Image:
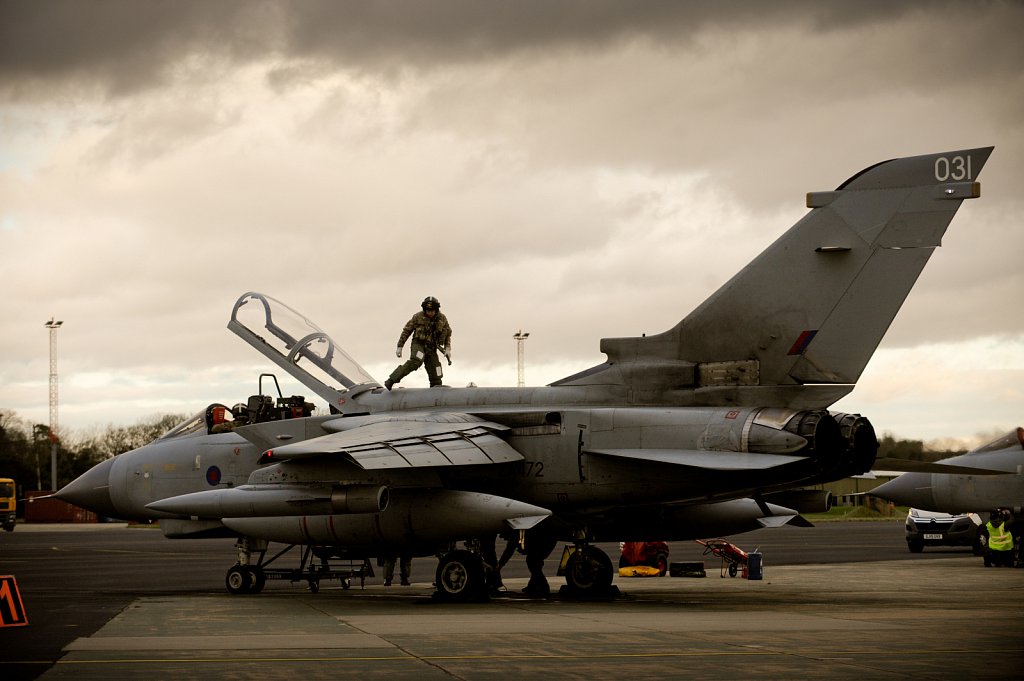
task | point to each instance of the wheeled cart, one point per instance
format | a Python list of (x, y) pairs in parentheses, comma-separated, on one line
[(733, 557), (314, 566)]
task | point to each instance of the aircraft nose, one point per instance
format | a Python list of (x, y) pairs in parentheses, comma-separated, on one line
[(91, 490), (909, 489)]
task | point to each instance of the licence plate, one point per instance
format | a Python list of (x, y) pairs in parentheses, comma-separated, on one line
[(933, 536)]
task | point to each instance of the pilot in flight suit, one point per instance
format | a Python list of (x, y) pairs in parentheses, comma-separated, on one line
[(430, 333)]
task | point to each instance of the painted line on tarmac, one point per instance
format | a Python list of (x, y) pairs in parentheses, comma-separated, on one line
[(820, 654)]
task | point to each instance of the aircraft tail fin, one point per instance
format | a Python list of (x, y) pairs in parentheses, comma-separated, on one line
[(812, 307)]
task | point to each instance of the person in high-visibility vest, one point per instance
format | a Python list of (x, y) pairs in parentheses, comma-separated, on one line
[(1000, 540)]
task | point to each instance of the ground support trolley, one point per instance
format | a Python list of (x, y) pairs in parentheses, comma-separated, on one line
[(314, 567), (733, 557)]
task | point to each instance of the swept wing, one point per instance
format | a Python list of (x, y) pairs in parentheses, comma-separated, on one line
[(405, 443)]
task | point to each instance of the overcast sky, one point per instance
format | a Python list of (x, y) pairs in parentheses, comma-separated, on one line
[(572, 169)]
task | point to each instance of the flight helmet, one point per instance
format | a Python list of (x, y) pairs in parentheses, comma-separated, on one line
[(430, 303)]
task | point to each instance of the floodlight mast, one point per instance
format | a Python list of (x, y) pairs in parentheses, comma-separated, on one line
[(53, 326), (520, 357)]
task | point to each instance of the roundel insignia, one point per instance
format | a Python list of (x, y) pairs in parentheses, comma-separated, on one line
[(213, 475)]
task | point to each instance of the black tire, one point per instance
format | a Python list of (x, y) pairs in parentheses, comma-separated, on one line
[(915, 546), (588, 572), (733, 569), (259, 580), (661, 562), (239, 580), (460, 577)]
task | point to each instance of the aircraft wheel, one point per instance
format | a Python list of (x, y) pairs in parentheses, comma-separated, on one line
[(588, 572), (258, 580), (460, 577), (239, 580), (314, 586)]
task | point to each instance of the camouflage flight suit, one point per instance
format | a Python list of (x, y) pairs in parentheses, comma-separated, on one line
[(428, 336)]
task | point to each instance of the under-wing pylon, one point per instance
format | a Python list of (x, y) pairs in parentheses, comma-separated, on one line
[(717, 426)]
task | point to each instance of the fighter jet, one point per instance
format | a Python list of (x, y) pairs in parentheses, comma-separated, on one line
[(717, 426), (974, 488)]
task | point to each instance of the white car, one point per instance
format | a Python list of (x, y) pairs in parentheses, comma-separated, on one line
[(931, 528)]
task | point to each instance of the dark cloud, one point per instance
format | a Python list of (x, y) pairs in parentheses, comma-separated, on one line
[(113, 45), (122, 46)]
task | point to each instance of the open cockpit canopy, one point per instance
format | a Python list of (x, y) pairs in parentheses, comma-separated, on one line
[(300, 347)]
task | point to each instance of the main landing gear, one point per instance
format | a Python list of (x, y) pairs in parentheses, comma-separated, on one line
[(588, 572), (463, 574)]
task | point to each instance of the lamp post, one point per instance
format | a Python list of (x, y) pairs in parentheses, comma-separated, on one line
[(520, 361), (53, 326)]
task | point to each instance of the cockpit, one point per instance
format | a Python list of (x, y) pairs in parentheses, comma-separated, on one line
[(218, 418), (1014, 437)]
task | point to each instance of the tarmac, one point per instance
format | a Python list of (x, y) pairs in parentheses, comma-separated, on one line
[(947, 618)]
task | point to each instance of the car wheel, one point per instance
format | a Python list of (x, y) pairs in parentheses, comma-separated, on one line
[(915, 546)]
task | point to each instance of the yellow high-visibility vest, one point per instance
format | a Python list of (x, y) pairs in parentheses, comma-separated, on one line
[(999, 538)]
